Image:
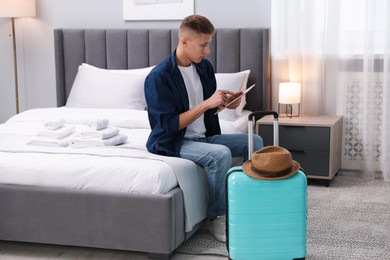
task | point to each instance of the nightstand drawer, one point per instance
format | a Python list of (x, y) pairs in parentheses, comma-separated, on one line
[(299, 138), (314, 163)]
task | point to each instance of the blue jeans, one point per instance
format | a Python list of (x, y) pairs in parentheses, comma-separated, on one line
[(215, 153)]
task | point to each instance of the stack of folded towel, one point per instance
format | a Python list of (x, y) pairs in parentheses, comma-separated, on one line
[(56, 134), (98, 134)]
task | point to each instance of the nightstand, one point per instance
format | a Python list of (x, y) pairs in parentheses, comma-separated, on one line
[(314, 142)]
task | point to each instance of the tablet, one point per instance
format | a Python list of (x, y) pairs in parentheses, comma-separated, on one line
[(234, 100)]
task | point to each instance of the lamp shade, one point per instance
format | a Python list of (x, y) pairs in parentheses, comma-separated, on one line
[(17, 8), (289, 93)]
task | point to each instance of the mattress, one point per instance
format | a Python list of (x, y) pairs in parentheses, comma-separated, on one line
[(76, 168)]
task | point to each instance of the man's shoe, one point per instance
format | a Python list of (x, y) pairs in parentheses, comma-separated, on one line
[(217, 228)]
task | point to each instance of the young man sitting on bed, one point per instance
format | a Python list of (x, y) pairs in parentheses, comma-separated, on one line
[(182, 98)]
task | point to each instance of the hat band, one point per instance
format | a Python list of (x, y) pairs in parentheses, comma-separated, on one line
[(271, 174)]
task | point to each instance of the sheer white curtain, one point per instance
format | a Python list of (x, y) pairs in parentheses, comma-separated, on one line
[(340, 52)]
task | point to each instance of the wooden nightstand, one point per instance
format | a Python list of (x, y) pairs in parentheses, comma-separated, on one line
[(314, 142)]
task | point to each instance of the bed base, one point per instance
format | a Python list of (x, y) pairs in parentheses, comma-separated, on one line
[(93, 219)]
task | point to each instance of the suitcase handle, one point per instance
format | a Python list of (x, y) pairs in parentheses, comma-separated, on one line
[(254, 116)]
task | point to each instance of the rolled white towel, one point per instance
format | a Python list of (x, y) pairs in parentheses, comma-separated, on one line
[(55, 124), (78, 142), (49, 142), (59, 133), (98, 124), (99, 134)]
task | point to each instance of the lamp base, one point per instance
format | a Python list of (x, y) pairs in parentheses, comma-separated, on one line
[(289, 110)]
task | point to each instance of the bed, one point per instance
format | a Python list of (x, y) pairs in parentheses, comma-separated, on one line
[(154, 219)]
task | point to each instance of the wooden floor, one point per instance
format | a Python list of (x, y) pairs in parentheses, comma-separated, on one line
[(16, 251)]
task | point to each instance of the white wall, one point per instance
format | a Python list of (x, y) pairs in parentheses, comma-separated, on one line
[(35, 46)]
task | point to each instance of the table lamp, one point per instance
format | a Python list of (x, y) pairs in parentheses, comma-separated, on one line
[(289, 94), (14, 9)]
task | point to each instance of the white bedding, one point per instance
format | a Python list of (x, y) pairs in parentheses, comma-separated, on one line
[(235, 125), (125, 168)]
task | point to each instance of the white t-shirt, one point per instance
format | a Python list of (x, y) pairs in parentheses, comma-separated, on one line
[(195, 96)]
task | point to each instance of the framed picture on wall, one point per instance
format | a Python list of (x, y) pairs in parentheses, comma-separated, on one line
[(157, 9)]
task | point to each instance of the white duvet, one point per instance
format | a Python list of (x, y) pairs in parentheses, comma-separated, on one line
[(125, 168)]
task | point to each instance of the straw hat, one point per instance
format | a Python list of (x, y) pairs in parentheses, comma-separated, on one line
[(271, 163)]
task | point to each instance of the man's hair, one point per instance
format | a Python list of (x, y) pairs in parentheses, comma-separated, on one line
[(198, 24)]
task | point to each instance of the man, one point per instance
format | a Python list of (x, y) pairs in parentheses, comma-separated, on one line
[(182, 100)]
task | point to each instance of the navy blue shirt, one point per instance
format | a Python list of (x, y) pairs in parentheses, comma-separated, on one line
[(166, 98)]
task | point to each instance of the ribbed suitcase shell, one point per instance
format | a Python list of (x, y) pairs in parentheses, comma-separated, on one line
[(266, 219)]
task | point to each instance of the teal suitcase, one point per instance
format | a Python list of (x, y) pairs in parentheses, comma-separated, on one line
[(266, 219)]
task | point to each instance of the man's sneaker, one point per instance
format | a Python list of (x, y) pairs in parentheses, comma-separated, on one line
[(217, 228)]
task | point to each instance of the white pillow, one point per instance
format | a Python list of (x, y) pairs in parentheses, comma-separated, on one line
[(101, 88), (141, 71), (234, 82)]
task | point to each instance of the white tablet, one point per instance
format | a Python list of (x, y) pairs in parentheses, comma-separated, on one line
[(234, 100)]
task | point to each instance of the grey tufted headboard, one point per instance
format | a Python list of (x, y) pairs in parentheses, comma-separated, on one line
[(232, 50)]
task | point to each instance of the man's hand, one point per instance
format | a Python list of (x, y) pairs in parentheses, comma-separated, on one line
[(236, 103), (219, 98)]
